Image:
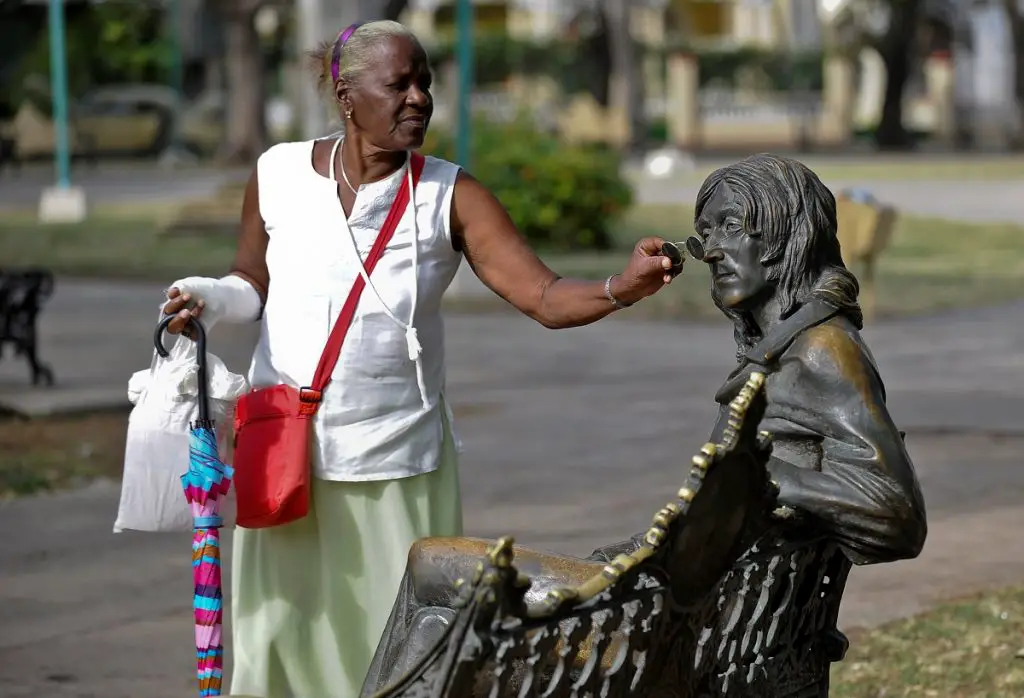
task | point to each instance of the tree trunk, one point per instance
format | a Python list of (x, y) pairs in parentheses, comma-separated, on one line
[(1016, 21), (897, 51), (596, 62), (393, 9), (370, 10), (627, 66), (245, 130)]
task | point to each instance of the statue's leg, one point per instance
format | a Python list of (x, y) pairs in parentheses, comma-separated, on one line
[(423, 608)]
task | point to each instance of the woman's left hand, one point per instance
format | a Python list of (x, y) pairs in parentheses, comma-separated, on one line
[(647, 273)]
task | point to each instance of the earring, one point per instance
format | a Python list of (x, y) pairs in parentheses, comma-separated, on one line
[(348, 113)]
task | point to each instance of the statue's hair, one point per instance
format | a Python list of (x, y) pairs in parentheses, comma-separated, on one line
[(356, 54), (795, 214)]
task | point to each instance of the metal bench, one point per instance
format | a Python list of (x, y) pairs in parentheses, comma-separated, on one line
[(23, 292)]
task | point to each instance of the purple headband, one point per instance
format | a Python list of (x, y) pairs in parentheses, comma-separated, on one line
[(338, 43)]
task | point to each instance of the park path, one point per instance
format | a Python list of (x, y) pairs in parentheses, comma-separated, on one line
[(971, 201), (144, 183), (573, 439), (116, 183)]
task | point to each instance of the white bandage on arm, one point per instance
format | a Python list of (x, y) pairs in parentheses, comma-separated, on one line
[(229, 298)]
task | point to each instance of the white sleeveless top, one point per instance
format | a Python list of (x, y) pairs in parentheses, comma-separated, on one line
[(381, 414)]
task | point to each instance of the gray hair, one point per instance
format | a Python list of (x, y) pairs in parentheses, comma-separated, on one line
[(357, 53)]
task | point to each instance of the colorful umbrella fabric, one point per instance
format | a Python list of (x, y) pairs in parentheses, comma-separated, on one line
[(206, 483)]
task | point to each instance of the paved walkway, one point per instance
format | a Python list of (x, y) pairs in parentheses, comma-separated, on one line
[(610, 414), (116, 183), (971, 201)]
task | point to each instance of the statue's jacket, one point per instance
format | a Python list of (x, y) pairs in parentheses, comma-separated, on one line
[(847, 494)]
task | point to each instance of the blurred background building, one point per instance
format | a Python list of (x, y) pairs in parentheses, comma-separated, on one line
[(699, 75)]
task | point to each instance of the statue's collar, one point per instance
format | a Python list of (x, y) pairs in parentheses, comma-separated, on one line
[(766, 352), (772, 345)]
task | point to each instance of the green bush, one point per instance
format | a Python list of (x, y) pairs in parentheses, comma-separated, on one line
[(561, 197)]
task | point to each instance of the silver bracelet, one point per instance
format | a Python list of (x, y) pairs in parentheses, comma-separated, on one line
[(608, 293)]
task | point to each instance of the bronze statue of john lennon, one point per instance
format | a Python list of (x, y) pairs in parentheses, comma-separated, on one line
[(845, 489)]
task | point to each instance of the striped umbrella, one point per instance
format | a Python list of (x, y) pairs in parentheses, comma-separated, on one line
[(205, 484)]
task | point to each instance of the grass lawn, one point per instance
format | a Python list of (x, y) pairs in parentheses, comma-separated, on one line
[(46, 454), (973, 648), (930, 265), (122, 242)]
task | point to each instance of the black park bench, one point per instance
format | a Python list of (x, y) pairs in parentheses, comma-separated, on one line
[(23, 292)]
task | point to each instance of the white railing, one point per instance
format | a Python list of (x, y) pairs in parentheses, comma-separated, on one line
[(758, 107)]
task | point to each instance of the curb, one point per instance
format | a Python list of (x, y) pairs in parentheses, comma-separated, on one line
[(63, 403)]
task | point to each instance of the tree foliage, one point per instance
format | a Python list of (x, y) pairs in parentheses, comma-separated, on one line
[(891, 28), (105, 43)]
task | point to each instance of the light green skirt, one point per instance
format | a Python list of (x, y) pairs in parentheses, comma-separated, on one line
[(310, 599)]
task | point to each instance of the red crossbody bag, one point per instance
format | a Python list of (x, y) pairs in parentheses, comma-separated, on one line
[(273, 426)]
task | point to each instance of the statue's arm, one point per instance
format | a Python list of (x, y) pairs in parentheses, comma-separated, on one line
[(866, 492)]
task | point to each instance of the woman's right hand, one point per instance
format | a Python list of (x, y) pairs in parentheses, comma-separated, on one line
[(185, 307)]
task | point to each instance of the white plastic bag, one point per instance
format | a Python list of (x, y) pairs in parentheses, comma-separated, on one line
[(156, 450)]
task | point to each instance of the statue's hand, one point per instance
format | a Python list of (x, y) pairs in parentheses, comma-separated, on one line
[(776, 472)]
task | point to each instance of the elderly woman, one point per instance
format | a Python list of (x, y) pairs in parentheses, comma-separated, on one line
[(310, 598)]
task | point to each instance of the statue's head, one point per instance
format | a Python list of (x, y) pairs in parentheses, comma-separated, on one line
[(768, 225)]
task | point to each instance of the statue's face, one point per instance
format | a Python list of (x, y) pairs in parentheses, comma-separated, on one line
[(733, 252)]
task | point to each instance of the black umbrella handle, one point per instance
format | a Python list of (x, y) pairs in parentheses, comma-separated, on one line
[(204, 388)]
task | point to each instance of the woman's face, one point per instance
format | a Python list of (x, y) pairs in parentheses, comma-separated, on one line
[(733, 252), (391, 103)]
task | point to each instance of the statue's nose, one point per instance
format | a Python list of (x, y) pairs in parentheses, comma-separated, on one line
[(714, 255)]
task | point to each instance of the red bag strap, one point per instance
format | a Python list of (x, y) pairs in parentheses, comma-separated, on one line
[(311, 396)]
